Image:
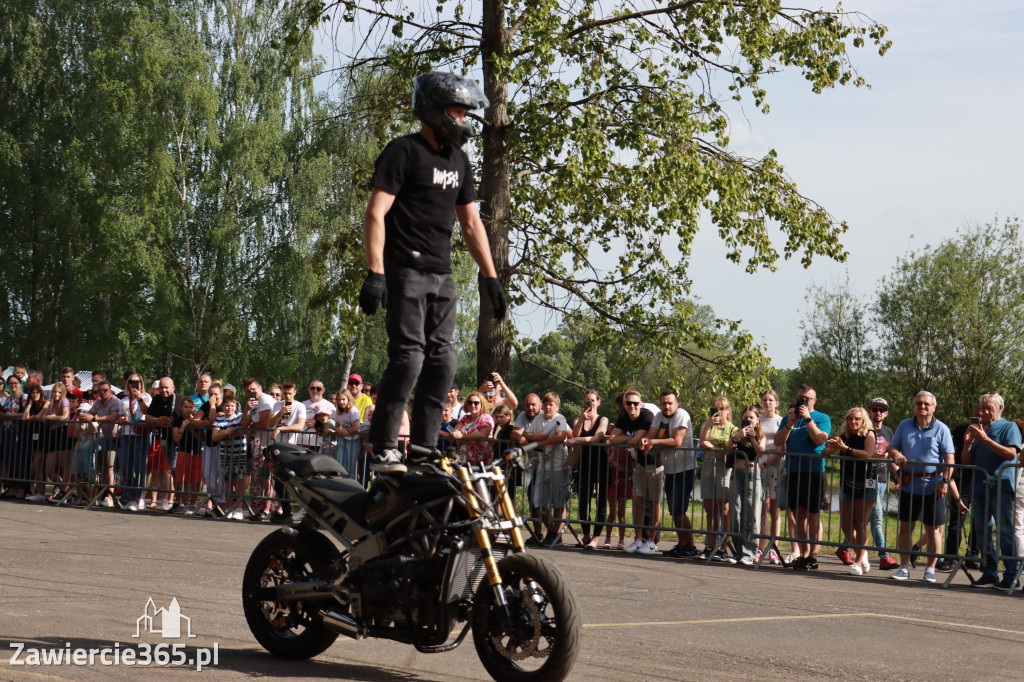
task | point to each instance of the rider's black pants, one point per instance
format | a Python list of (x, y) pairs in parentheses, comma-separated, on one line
[(420, 322)]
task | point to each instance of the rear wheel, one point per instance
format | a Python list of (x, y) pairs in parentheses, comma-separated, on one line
[(543, 638), (289, 630)]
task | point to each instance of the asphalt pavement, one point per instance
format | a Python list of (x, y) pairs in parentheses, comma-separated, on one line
[(74, 579)]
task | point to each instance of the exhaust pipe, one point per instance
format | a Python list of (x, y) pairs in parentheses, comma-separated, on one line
[(343, 625)]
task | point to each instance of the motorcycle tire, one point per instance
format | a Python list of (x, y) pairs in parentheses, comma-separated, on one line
[(546, 617), (287, 630)]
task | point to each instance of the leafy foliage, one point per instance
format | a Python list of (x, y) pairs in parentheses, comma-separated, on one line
[(607, 141)]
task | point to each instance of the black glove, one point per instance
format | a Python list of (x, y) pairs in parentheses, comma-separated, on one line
[(497, 296), (372, 293)]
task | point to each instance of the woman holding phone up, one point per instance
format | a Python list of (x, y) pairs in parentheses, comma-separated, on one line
[(715, 475), (590, 428)]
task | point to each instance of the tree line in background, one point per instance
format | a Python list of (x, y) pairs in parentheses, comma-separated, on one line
[(175, 196), (943, 320), (179, 191)]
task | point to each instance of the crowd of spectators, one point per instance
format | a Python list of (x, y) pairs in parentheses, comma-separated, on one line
[(199, 453)]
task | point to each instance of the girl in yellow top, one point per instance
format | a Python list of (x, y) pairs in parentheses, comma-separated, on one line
[(714, 475)]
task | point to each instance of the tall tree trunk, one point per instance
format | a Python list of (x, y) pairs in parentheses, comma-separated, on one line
[(492, 345)]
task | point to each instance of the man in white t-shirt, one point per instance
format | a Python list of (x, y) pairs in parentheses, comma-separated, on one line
[(316, 400), (258, 408), (287, 421), (675, 466), (289, 417)]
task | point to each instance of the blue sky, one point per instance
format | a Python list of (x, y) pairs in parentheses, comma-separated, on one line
[(934, 145)]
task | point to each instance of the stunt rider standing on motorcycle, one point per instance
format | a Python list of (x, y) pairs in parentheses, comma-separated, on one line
[(419, 181)]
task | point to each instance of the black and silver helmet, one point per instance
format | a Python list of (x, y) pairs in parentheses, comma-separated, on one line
[(433, 93)]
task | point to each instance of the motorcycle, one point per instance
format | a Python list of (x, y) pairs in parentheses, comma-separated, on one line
[(409, 560)]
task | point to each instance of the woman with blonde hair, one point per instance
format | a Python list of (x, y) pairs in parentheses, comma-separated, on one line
[(474, 429), (715, 476), (58, 452), (856, 444)]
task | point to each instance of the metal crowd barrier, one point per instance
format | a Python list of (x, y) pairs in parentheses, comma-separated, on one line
[(597, 494)]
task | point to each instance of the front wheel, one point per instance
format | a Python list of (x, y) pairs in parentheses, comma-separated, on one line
[(543, 638), (289, 630)]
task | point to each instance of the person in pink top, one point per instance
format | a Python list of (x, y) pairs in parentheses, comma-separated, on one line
[(474, 429)]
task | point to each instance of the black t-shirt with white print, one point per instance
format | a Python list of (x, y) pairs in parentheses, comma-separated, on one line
[(428, 184)]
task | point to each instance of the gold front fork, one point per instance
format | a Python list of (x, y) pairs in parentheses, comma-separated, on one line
[(483, 538), (508, 510)]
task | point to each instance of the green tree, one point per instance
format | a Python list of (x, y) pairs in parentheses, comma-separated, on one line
[(839, 356), (607, 138), (946, 317)]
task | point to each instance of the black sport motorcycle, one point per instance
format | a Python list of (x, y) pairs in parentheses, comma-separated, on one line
[(409, 560)]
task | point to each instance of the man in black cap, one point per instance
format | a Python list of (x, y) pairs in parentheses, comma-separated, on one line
[(420, 182)]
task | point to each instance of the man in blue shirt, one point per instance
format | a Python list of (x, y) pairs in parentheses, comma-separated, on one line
[(804, 434), (993, 445), (922, 449)]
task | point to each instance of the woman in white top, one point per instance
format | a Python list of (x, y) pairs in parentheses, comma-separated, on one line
[(771, 466)]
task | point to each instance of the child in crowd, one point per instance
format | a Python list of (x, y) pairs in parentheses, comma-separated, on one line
[(189, 473), (347, 431), (231, 438), (715, 475), (551, 489)]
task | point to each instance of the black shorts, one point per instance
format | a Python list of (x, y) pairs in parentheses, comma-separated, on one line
[(929, 506), (805, 490)]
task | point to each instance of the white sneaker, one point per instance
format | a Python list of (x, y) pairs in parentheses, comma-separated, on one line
[(189, 510), (747, 560), (239, 515), (387, 462), (132, 506), (855, 570), (165, 505), (34, 497), (647, 548), (865, 564), (107, 502), (634, 546)]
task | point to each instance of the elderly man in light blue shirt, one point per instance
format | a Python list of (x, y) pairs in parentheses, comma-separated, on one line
[(993, 445), (923, 449)]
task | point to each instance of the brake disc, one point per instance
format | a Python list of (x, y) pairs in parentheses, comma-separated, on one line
[(517, 650)]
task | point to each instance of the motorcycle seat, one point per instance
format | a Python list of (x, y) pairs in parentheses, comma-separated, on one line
[(343, 492), (305, 463)]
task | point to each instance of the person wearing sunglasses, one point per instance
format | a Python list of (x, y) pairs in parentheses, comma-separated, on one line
[(360, 400), (473, 431), (878, 410), (105, 411), (316, 403), (631, 427), (923, 449)]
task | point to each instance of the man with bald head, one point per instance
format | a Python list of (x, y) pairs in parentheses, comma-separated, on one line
[(531, 408), (161, 415)]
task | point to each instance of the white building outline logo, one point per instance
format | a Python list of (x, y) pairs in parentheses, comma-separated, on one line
[(169, 620)]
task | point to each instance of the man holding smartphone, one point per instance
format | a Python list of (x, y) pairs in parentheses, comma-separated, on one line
[(804, 434), (993, 444)]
